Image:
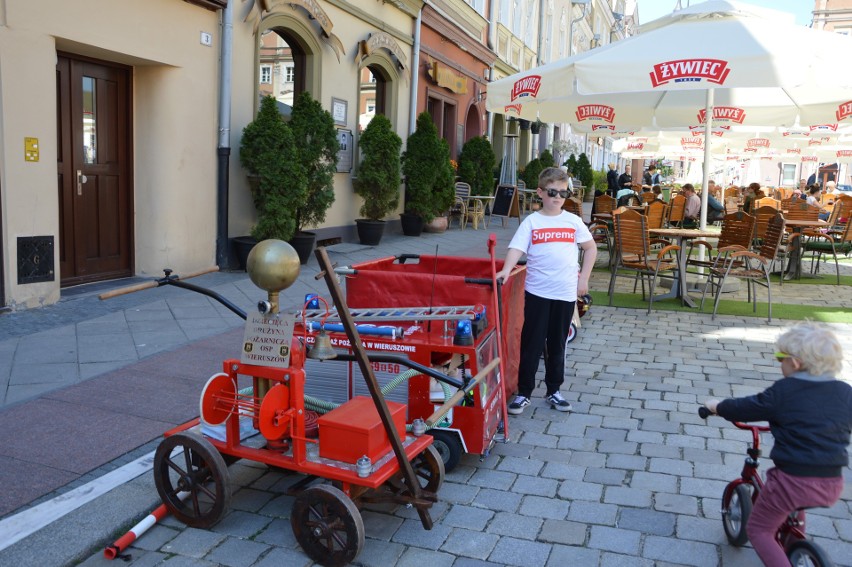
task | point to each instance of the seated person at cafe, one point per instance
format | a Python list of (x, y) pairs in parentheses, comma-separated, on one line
[(692, 210), (626, 196), (751, 195), (658, 193), (715, 209), (813, 200)]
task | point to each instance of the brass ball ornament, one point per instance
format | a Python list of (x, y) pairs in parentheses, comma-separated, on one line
[(273, 265)]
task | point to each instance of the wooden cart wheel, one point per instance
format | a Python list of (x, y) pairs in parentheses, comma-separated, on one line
[(429, 469), (192, 479), (327, 525)]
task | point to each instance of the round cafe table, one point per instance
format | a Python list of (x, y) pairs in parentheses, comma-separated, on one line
[(681, 235)]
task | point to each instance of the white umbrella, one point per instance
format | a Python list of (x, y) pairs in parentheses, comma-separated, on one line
[(718, 61)]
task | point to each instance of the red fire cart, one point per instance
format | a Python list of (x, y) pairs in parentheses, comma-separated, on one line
[(427, 299)]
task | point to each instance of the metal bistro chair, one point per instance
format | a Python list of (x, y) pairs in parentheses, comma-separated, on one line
[(633, 254), (753, 267)]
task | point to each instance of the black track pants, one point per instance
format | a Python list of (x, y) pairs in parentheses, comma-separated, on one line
[(546, 321)]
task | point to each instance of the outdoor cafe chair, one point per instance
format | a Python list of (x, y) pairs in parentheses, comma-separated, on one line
[(762, 217), (634, 257), (840, 214), (737, 231), (676, 209), (573, 206), (732, 193), (655, 212), (604, 204), (819, 245), (767, 202), (752, 267), (459, 207)]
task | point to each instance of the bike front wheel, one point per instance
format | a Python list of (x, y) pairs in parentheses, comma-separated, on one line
[(736, 509), (805, 553)]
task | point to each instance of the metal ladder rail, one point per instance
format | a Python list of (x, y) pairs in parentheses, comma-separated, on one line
[(439, 313)]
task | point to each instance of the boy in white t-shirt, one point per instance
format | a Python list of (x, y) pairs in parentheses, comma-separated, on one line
[(551, 239)]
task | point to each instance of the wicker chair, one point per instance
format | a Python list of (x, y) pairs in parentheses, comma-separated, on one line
[(753, 267), (459, 208), (633, 254)]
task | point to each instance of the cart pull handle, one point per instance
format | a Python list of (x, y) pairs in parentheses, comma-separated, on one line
[(155, 283), (402, 258), (456, 398)]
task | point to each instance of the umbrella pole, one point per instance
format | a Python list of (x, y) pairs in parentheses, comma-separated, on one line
[(708, 127)]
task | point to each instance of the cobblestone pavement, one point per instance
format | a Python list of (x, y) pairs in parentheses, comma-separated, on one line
[(632, 476)]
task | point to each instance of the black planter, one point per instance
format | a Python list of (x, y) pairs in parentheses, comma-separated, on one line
[(242, 247), (303, 243), (370, 231), (412, 225)]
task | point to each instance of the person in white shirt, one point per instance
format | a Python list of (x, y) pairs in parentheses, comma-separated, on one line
[(551, 238)]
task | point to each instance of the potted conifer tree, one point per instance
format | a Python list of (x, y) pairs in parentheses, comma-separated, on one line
[(378, 178), (316, 141), (276, 176), (428, 176), (476, 165)]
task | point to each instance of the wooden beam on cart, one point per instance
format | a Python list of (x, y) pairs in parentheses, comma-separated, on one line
[(411, 480)]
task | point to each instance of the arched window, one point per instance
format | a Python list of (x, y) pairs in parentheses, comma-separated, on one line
[(286, 60)]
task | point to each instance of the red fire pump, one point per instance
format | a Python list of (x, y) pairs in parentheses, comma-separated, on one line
[(363, 447)]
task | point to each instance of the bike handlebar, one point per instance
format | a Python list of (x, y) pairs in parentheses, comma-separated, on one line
[(704, 413)]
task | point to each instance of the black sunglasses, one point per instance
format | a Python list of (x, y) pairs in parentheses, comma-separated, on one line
[(563, 193)]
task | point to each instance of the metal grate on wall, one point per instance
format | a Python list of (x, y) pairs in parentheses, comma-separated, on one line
[(35, 259)]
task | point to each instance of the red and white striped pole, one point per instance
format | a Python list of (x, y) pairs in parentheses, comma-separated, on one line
[(112, 551)]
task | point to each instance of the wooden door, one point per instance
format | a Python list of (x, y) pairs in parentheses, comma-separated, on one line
[(95, 192)]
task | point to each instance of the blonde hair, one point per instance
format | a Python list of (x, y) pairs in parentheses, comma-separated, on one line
[(816, 347)]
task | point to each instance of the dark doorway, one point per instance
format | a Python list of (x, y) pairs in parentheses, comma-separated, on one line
[(93, 166)]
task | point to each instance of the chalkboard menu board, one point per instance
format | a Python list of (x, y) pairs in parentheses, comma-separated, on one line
[(506, 202)]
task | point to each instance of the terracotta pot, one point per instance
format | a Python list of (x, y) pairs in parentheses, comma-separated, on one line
[(438, 224)]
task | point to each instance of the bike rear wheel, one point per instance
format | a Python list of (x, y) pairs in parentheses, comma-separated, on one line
[(805, 553), (736, 509)]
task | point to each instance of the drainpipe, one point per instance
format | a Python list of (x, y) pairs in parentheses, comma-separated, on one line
[(223, 152), (415, 73), (492, 45)]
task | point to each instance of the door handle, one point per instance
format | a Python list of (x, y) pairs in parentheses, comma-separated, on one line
[(80, 180)]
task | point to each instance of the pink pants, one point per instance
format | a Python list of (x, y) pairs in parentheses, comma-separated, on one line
[(782, 494)]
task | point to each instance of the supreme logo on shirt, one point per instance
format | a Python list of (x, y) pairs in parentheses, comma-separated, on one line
[(547, 235)]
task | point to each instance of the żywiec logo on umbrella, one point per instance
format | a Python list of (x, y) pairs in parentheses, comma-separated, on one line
[(528, 86), (844, 153), (510, 108), (690, 71), (814, 142), (635, 146), (723, 114), (809, 158), (844, 111), (797, 151), (758, 143), (693, 143), (598, 112), (825, 127)]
